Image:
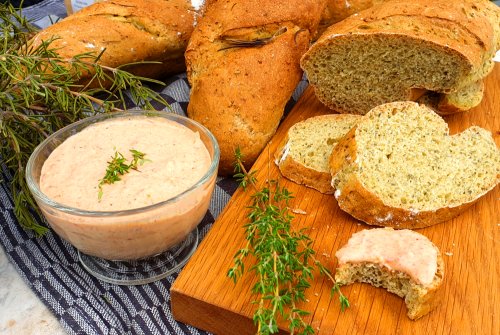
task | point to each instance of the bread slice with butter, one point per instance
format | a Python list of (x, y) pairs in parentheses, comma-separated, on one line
[(404, 262), (303, 154), (399, 167)]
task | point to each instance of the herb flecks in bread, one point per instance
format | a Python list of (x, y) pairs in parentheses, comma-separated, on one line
[(397, 50), (399, 167), (404, 262), (303, 155), (243, 66)]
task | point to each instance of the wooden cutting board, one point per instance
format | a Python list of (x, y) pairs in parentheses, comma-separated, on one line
[(203, 296)]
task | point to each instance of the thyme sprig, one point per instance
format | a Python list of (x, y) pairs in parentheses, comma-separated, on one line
[(285, 258), (41, 92), (118, 167)]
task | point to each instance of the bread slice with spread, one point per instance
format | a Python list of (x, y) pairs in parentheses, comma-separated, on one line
[(399, 167), (404, 262), (303, 154)]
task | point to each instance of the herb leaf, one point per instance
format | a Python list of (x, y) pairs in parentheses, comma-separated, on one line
[(118, 166), (41, 92)]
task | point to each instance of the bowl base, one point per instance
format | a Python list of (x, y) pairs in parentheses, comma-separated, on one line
[(143, 271)]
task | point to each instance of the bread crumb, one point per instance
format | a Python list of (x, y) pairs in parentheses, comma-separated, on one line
[(336, 194), (298, 211), (448, 253)]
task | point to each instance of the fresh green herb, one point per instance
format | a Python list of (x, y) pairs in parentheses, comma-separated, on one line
[(118, 166), (41, 92), (285, 259)]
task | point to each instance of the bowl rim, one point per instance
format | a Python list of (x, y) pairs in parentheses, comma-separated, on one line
[(40, 196)]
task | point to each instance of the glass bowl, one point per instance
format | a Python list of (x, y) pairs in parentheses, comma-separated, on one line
[(132, 246)]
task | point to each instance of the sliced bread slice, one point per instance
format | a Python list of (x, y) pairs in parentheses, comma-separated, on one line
[(399, 167), (404, 262), (303, 155), (395, 49), (462, 100)]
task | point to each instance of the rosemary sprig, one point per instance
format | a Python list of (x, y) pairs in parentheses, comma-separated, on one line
[(231, 42), (41, 92), (118, 166), (285, 259)]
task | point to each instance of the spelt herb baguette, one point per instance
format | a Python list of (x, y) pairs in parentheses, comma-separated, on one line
[(128, 31), (404, 262), (243, 66), (303, 154), (399, 167), (398, 50)]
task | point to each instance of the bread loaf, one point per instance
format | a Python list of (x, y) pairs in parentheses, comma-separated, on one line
[(303, 154), (404, 262), (399, 167), (243, 66), (128, 31), (337, 10), (396, 50)]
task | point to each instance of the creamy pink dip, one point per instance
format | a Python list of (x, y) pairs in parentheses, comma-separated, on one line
[(177, 159), (399, 250)]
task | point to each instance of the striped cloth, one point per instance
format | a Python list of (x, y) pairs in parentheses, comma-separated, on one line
[(50, 266)]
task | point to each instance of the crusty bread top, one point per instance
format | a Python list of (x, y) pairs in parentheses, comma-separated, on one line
[(239, 89), (387, 52), (129, 30), (338, 10), (466, 27), (401, 152), (234, 14)]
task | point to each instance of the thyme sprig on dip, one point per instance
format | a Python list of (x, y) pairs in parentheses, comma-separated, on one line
[(41, 92), (118, 167), (284, 258)]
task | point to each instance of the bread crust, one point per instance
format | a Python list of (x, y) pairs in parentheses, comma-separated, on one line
[(463, 30), (338, 10), (354, 198), (129, 31), (303, 174), (239, 93), (300, 173)]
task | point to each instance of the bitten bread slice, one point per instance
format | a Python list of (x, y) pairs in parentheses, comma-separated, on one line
[(303, 155), (397, 50), (404, 262), (399, 167)]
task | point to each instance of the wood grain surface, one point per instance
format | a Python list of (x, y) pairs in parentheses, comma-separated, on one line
[(205, 297)]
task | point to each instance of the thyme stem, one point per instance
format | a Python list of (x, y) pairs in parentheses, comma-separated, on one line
[(283, 257)]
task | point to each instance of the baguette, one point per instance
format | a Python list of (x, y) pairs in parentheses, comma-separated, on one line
[(303, 154), (397, 50), (128, 31), (404, 262), (243, 66), (399, 167)]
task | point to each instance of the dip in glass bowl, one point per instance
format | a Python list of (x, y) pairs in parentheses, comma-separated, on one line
[(142, 226)]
